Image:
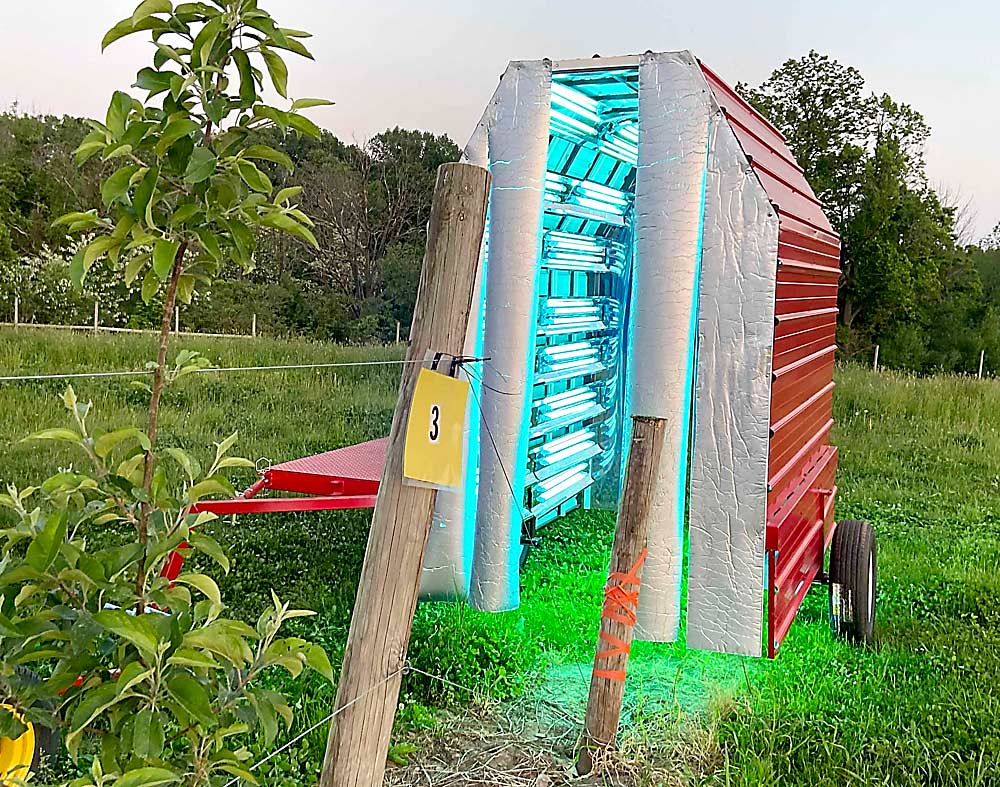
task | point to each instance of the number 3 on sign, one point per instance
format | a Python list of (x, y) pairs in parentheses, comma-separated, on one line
[(435, 431)]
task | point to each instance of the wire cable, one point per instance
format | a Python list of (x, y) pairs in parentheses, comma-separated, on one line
[(210, 369), (288, 744)]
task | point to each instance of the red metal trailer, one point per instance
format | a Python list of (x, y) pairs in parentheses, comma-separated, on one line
[(801, 487)]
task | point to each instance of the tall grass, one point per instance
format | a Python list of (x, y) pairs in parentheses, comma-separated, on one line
[(920, 458)]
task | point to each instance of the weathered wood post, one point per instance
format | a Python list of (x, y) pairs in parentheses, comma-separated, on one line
[(253, 325), (982, 362), (387, 592), (621, 594), (875, 362)]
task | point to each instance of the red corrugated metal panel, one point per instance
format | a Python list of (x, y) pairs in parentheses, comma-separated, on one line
[(802, 463)]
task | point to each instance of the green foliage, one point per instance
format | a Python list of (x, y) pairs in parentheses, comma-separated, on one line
[(187, 193), (907, 284), (143, 673)]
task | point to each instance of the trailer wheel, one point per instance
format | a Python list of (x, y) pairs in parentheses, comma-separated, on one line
[(853, 578)]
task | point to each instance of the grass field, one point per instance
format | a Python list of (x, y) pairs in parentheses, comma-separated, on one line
[(920, 458)]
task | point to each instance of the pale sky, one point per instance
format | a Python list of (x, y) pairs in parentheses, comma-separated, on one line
[(433, 64)]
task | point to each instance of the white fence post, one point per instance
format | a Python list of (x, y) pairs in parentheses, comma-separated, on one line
[(397, 331), (17, 310), (875, 364), (982, 363), (97, 315), (253, 325), (177, 319)]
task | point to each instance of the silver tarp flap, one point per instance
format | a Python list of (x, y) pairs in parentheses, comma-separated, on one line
[(674, 120), (728, 499), (447, 570), (518, 148)]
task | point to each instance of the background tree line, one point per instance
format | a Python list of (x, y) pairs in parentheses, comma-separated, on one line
[(370, 202), (913, 281)]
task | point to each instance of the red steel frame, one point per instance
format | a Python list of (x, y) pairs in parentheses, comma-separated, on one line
[(802, 464)]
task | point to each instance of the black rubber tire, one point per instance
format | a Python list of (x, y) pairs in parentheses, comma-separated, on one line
[(853, 581)]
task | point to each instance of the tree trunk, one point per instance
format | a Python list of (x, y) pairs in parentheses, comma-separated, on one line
[(154, 415)]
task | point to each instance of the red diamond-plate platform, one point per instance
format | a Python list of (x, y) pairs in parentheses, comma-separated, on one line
[(354, 470)]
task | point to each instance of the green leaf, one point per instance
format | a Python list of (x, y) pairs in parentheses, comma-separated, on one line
[(204, 584), (253, 177), (132, 675), (105, 444), (277, 69), (287, 194), (133, 628), (306, 103), (150, 7), (45, 546), (97, 249), (147, 734), (248, 88), (188, 463), (11, 727), (286, 223), (201, 165), (116, 185), (304, 125), (126, 27), (142, 200), (209, 243), (243, 238), (176, 128), (154, 81), (266, 153), (150, 284), (147, 777), (89, 218), (266, 715), (234, 461), (94, 702), (164, 257), (317, 660), (191, 696), (66, 435), (206, 38), (189, 657), (209, 546), (210, 486), (134, 267), (118, 111)]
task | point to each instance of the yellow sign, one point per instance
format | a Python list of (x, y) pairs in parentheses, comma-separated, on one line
[(435, 431)]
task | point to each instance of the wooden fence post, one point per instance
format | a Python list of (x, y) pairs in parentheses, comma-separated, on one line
[(982, 363), (17, 310), (397, 331), (875, 363), (621, 594), (253, 325), (177, 319), (97, 315), (387, 593)]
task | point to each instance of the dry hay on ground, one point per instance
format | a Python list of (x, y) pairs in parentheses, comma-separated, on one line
[(532, 743)]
